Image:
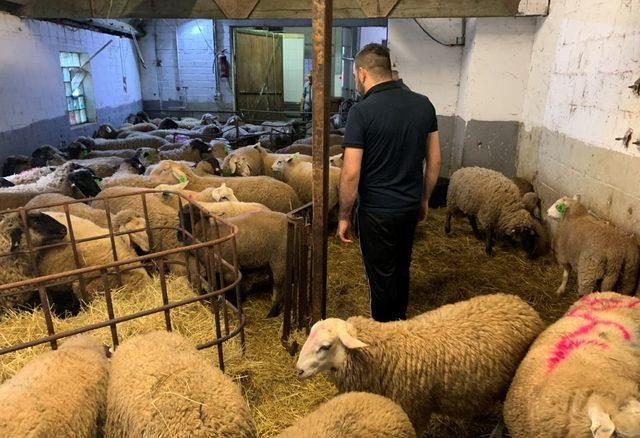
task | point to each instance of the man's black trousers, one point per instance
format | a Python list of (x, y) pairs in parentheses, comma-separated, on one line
[(386, 241)]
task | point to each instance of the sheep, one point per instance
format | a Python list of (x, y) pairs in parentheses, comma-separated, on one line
[(493, 205), (604, 257), (299, 175), (253, 160), (306, 149), (161, 386), (261, 241), (194, 151), (77, 150), (4, 182), (90, 253), (52, 201), (43, 229), (106, 130), (162, 219), (14, 164), (276, 195), (219, 149), (354, 414), (580, 377), (103, 167), (68, 180), (337, 160), (132, 142), (139, 117), (30, 176), (457, 360), (47, 155), (334, 139), (132, 180), (60, 393), (210, 166), (223, 209)]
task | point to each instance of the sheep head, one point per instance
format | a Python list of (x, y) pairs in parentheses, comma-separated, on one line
[(566, 206), (326, 347), (223, 193), (281, 163), (610, 418), (43, 229)]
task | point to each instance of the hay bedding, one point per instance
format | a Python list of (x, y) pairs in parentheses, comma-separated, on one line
[(444, 270)]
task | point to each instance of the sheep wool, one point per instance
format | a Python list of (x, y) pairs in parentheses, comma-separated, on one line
[(60, 393), (354, 415), (604, 257), (79, 209), (299, 175), (457, 360), (160, 386), (580, 377)]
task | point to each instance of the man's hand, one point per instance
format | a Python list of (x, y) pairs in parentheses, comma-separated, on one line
[(344, 230), (424, 211)]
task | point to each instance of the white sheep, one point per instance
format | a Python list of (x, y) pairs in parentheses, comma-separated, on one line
[(60, 393), (354, 414), (161, 386), (299, 175), (493, 204), (337, 160), (261, 242), (457, 360), (274, 194), (14, 266), (580, 377), (605, 258), (30, 176), (52, 201), (90, 253), (131, 142)]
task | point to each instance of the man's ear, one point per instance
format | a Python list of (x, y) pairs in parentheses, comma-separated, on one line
[(349, 341)]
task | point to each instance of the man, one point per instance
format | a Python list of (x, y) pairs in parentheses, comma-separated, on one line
[(388, 136), (306, 101)]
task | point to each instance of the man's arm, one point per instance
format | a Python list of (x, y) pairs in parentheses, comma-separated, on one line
[(431, 172), (349, 179)]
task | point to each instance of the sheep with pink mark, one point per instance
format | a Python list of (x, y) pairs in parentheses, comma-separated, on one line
[(457, 360), (581, 376)]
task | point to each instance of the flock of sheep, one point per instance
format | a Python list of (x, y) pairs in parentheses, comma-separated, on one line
[(578, 377)]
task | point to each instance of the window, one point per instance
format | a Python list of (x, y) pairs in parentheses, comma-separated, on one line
[(77, 87)]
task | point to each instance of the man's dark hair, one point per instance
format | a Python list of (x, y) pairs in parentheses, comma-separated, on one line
[(375, 59)]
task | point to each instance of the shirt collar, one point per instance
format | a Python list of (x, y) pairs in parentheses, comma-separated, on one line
[(382, 86)]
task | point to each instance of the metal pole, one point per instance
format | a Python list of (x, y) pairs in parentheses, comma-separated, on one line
[(321, 17)]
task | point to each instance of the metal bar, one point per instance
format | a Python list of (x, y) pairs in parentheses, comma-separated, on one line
[(113, 241), (321, 17), (74, 249), (186, 253), (110, 313), (303, 282), (44, 302), (287, 289), (165, 296)]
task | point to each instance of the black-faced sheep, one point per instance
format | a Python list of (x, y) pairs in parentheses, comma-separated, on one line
[(580, 377), (604, 257), (160, 385), (354, 414), (53, 201), (16, 265), (14, 164), (60, 393), (493, 204), (457, 360)]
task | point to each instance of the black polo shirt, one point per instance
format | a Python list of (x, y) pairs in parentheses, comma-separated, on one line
[(391, 124)]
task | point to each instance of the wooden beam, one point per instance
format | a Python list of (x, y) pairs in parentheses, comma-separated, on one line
[(237, 9), (321, 93), (277, 8)]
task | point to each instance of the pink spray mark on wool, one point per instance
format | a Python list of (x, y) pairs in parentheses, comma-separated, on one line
[(585, 309)]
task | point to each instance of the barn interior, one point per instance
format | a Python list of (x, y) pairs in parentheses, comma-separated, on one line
[(546, 92)]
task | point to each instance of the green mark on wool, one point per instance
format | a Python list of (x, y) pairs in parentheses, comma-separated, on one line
[(562, 208), (182, 178)]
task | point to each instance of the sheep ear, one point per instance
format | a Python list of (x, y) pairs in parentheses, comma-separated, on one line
[(232, 164), (601, 424), (349, 341), (16, 237), (179, 175), (140, 238), (576, 197), (290, 159), (223, 185)]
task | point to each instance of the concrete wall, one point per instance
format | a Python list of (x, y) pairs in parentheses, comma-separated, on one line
[(477, 89), (585, 56), (32, 97)]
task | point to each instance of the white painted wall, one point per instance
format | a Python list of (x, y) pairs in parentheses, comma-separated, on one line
[(31, 86), (586, 54), (495, 69), (424, 65), (293, 66)]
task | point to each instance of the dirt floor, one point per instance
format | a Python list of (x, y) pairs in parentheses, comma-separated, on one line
[(444, 270)]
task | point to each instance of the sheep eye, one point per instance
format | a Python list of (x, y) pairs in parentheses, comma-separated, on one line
[(324, 347)]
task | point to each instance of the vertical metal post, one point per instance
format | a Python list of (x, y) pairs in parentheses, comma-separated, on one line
[(321, 18)]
